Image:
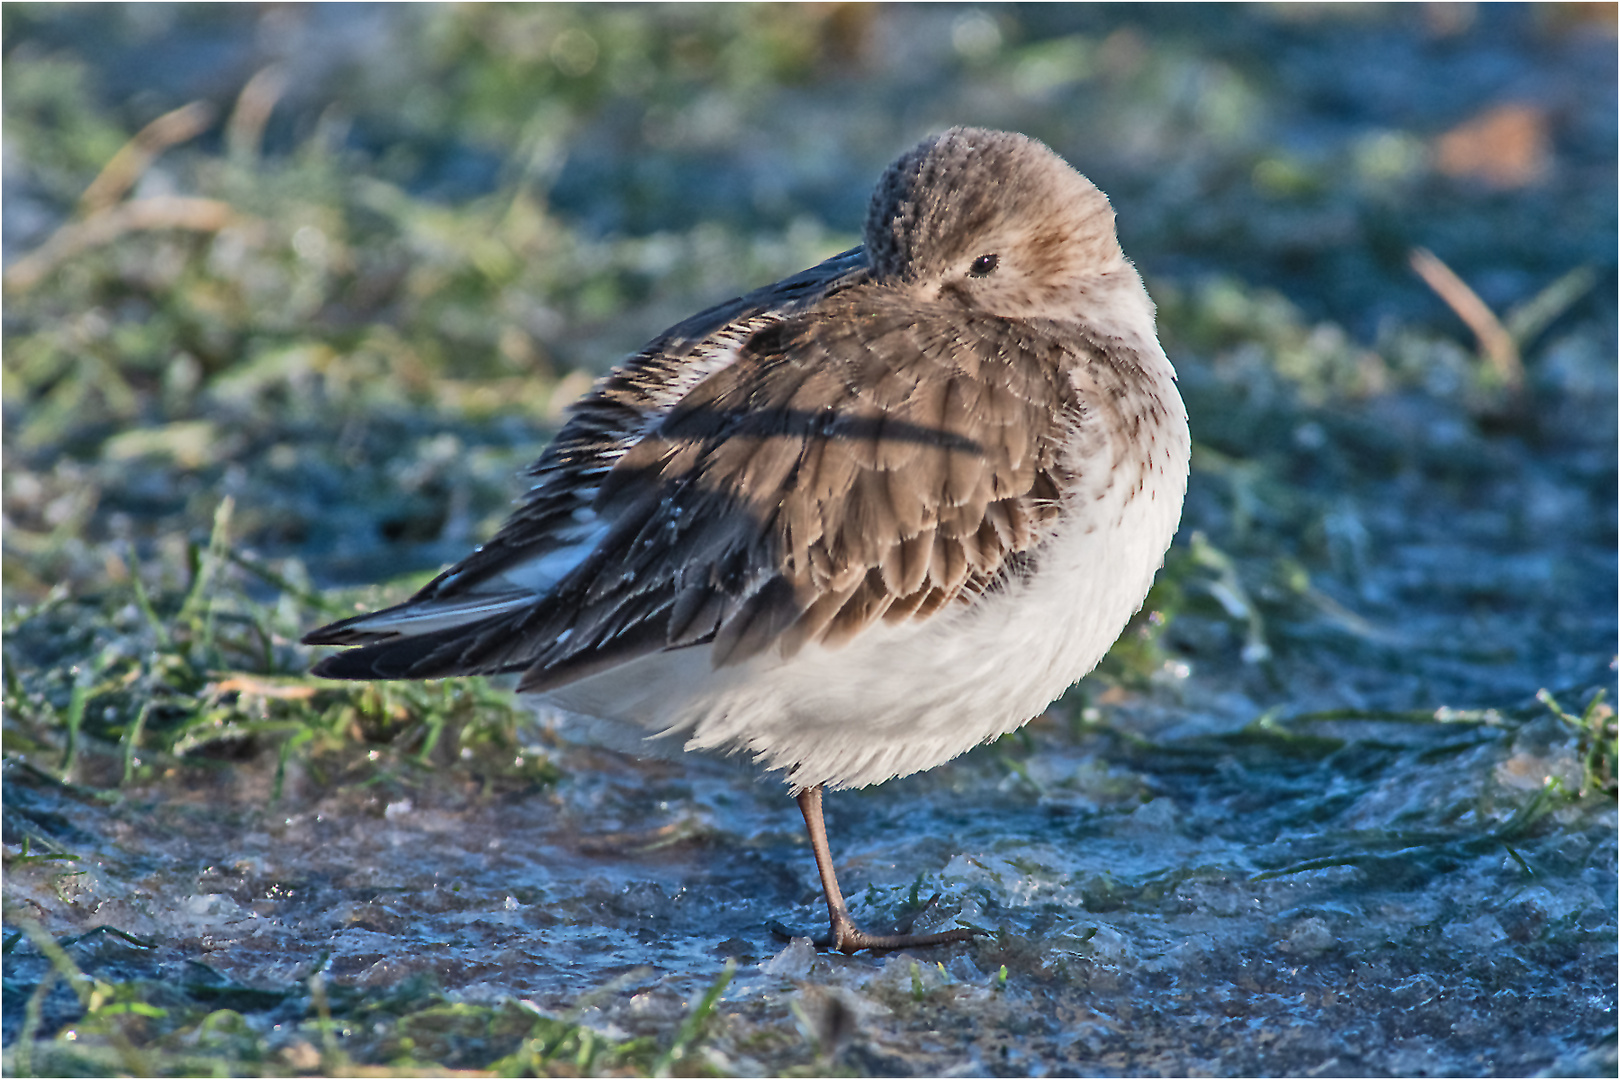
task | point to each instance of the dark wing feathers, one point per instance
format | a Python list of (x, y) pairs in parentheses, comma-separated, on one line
[(619, 410), (800, 498), (868, 458)]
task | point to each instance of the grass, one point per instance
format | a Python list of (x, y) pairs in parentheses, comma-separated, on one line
[(172, 676), (249, 343), (1599, 745)]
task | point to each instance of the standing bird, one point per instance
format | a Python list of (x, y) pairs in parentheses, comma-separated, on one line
[(853, 523)]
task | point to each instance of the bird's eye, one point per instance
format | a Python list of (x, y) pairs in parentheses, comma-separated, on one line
[(983, 265)]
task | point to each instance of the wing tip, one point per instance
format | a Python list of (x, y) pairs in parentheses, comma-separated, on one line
[(330, 667), (331, 634), (346, 632), (394, 658)]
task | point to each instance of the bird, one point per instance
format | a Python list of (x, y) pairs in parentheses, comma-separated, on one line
[(853, 523)]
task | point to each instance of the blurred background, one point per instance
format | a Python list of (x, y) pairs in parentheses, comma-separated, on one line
[(470, 211), (293, 293)]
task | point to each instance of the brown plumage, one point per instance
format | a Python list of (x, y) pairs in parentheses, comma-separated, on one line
[(859, 455), (851, 523)]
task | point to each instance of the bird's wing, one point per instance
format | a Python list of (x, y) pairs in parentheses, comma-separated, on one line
[(865, 459), (556, 524), (872, 459)]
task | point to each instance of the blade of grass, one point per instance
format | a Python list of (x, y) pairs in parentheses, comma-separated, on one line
[(132, 161), (143, 601), (24, 1061), (113, 930), (283, 755), (205, 562), (17, 616), (1496, 344), (694, 1023), (324, 604), (73, 721), (131, 742), (92, 993), (334, 1062), (1526, 321)]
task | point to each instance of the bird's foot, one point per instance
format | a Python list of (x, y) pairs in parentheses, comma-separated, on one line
[(845, 937), (850, 938)]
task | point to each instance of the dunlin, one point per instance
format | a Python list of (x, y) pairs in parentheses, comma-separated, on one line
[(851, 524)]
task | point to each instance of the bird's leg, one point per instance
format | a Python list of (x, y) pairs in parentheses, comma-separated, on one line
[(846, 937)]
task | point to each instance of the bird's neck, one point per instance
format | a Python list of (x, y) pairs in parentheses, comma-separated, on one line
[(1115, 306)]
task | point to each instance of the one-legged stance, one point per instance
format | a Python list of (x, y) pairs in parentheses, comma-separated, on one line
[(845, 936)]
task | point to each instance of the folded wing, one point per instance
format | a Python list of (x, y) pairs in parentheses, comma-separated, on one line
[(863, 458)]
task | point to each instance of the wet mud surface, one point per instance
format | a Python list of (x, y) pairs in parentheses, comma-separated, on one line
[(1357, 896), (1312, 820)]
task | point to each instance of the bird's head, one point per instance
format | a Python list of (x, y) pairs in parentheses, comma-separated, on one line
[(996, 221)]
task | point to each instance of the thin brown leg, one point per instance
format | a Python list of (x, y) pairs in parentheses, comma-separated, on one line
[(846, 937)]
